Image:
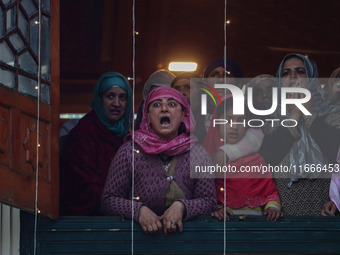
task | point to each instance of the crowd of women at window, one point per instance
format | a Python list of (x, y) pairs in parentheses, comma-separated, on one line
[(104, 166)]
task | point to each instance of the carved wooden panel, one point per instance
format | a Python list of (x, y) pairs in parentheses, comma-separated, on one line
[(30, 145), (18, 119)]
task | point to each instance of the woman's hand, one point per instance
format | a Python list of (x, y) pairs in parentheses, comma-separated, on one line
[(294, 112), (329, 209), (220, 158), (149, 221), (273, 214), (219, 214), (172, 218)]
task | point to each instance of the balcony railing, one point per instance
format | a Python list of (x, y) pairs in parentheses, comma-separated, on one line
[(204, 235)]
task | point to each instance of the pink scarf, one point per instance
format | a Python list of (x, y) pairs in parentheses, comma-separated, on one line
[(334, 190), (151, 143)]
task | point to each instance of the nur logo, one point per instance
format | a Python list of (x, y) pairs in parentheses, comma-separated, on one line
[(239, 99), (204, 98)]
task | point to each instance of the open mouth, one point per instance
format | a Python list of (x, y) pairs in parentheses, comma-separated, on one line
[(165, 121), (114, 112)]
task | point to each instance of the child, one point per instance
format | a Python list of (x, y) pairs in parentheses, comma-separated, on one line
[(246, 193)]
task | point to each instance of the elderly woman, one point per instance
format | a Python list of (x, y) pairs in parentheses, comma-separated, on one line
[(92, 144), (163, 189)]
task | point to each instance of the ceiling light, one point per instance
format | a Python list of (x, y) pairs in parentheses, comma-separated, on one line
[(183, 66), (71, 115)]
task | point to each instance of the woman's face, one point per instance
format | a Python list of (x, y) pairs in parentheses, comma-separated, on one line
[(183, 86), (114, 103), (165, 116), (263, 92), (189, 91), (334, 95), (294, 73), (219, 75), (218, 72)]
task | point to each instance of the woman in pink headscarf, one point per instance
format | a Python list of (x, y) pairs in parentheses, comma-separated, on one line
[(163, 150)]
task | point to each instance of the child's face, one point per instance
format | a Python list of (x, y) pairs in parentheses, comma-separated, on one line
[(233, 133)]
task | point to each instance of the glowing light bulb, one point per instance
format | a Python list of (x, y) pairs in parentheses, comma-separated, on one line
[(183, 66)]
